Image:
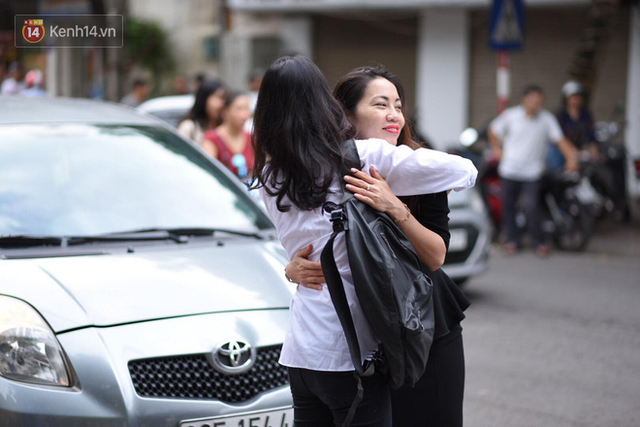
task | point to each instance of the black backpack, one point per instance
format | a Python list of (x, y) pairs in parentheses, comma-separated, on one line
[(391, 285)]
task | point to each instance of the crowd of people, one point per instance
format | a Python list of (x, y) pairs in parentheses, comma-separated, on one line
[(529, 141), (17, 82), (220, 122)]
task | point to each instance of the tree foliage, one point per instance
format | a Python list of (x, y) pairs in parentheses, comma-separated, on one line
[(147, 46)]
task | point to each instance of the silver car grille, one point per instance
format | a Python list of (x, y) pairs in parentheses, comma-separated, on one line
[(192, 377)]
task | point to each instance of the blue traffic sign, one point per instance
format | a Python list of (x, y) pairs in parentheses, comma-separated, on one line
[(507, 25)]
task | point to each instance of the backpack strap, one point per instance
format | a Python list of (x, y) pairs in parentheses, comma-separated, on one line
[(351, 155), (339, 299), (336, 290), (336, 287)]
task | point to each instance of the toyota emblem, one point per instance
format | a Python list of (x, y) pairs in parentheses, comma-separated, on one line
[(233, 357)]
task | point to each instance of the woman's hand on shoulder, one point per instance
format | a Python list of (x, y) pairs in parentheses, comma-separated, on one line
[(375, 191), (304, 272)]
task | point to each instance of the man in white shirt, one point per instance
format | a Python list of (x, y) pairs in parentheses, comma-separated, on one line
[(520, 137), (13, 84)]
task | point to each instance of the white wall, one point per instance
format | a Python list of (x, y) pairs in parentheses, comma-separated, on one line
[(442, 77), (297, 35)]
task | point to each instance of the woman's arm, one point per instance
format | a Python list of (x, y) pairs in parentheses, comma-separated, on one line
[(304, 272), (412, 172), (374, 191)]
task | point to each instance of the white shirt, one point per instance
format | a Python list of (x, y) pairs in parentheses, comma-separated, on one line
[(192, 130), (11, 86), (525, 140), (315, 339)]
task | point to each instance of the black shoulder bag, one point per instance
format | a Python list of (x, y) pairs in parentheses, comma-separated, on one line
[(394, 291)]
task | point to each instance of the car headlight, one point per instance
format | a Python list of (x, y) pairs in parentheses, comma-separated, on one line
[(29, 350)]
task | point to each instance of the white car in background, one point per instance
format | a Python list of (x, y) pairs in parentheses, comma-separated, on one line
[(171, 109), (471, 231)]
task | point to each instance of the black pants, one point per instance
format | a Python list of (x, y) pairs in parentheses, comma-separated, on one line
[(436, 400), (511, 191), (323, 399)]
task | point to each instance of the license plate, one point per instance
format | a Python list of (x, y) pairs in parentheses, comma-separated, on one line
[(280, 417), (458, 241)]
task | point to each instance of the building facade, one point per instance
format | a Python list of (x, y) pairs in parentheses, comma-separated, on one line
[(440, 50)]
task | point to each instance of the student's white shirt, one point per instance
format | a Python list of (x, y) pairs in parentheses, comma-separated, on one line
[(315, 339), (525, 140), (192, 130)]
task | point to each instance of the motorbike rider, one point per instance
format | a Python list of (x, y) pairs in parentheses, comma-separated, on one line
[(519, 137), (606, 163), (576, 122)]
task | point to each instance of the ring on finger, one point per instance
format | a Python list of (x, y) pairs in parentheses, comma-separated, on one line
[(368, 187)]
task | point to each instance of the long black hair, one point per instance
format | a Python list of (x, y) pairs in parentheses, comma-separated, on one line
[(299, 131), (198, 112)]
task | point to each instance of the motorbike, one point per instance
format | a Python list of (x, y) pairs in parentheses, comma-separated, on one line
[(565, 210), (608, 173), (565, 198)]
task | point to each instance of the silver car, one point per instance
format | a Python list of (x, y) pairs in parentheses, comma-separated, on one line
[(140, 285), (471, 231)]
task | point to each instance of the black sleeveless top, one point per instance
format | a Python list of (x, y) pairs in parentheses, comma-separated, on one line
[(448, 299)]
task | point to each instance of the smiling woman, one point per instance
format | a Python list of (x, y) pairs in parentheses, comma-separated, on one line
[(379, 113), (372, 99)]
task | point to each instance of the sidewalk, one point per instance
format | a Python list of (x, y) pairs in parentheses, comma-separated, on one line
[(615, 238)]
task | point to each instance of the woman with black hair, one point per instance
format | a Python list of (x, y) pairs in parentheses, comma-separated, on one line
[(205, 113), (436, 400), (299, 134), (230, 142)]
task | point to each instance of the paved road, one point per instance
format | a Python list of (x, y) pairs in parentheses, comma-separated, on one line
[(556, 342)]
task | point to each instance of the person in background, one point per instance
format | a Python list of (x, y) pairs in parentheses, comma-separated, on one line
[(13, 84), (180, 86), (138, 95), (205, 113), (436, 400), (230, 142), (520, 137), (255, 80), (576, 122), (33, 81), (198, 79)]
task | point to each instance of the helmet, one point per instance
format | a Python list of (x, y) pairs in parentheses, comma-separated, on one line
[(573, 87), (33, 78)]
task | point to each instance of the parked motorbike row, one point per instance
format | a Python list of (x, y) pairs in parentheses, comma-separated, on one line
[(570, 202)]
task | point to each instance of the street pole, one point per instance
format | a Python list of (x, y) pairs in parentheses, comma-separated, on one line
[(503, 80)]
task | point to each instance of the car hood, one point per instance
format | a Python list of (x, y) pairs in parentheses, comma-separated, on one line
[(106, 290)]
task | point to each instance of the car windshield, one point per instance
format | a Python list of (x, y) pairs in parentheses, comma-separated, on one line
[(88, 180)]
